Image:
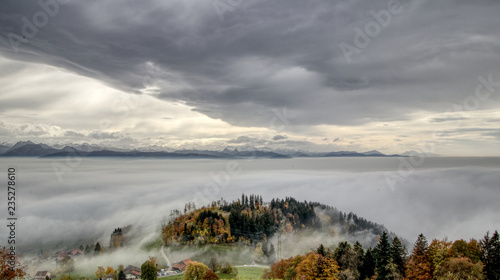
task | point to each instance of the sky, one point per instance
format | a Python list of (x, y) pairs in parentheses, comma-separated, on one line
[(319, 75)]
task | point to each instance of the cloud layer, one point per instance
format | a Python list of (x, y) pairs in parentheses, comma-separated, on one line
[(66, 200)]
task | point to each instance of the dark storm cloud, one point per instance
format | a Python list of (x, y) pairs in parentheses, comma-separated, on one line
[(262, 55)]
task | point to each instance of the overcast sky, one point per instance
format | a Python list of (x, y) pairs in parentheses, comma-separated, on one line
[(312, 75)]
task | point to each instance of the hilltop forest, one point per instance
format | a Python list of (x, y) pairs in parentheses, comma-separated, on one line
[(249, 220)]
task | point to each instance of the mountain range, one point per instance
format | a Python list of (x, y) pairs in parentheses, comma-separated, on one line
[(30, 149)]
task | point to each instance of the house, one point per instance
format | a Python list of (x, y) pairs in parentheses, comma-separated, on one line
[(61, 256), (132, 272), (110, 276), (76, 253), (178, 267), (181, 266), (41, 275)]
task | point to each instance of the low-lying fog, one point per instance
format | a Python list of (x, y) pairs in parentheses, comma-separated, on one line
[(62, 200)]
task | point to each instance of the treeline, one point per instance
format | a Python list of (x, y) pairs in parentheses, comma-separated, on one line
[(251, 220), (388, 260)]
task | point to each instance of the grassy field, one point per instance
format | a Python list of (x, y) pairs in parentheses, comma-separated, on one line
[(244, 273), (232, 253)]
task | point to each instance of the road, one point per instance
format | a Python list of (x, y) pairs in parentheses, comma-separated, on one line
[(169, 265)]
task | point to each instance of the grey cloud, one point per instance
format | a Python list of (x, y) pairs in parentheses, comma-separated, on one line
[(71, 133), (495, 133), (279, 137), (246, 139), (104, 135), (298, 144), (265, 55), (35, 129), (447, 119)]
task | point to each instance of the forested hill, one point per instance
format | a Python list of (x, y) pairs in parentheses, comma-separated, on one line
[(250, 219)]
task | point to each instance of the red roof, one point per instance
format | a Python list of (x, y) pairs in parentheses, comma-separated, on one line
[(76, 251), (179, 266)]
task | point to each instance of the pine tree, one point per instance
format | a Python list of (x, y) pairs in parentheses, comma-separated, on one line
[(121, 275), (398, 255), (368, 267), (321, 250), (97, 248), (87, 249), (383, 256), (360, 252), (490, 255), (419, 266)]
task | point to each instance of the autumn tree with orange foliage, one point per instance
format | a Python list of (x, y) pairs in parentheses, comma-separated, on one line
[(310, 266), (10, 267), (315, 266), (100, 272), (109, 270), (210, 275), (419, 267), (278, 269), (439, 254)]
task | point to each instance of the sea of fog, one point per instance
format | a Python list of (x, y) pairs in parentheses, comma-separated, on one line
[(69, 199)]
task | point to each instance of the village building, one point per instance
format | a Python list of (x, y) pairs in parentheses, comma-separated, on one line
[(42, 275), (181, 266), (132, 272)]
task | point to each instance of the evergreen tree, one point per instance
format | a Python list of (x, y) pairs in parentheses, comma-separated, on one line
[(398, 255), (490, 256), (148, 271), (321, 250), (383, 256), (97, 248), (348, 260), (87, 249), (368, 267), (121, 275), (360, 252)]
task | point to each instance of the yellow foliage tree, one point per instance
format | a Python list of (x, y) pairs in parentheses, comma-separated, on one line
[(461, 268), (100, 272), (315, 266), (153, 261), (195, 271), (109, 270)]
